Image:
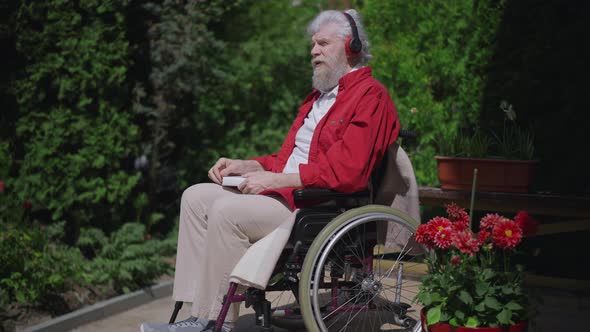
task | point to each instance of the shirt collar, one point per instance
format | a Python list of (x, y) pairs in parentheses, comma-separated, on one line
[(334, 91), (353, 76), (331, 93)]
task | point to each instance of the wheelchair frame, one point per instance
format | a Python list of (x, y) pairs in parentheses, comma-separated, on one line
[(316, 232)]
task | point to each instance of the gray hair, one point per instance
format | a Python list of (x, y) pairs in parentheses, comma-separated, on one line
[(335, 16)]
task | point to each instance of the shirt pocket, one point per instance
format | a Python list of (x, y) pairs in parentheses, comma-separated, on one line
[(331, 133)]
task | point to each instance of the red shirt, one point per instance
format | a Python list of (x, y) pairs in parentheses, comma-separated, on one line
[(347, 143)]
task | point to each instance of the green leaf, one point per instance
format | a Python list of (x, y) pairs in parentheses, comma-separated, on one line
[(504, 316), (433, 315), (436, 297), (507, 289), (513, 306), (472, 322), (488, 274), (480, 307), (424, 298), (465, 297), (492, 302), (459, 314), (481, 288)]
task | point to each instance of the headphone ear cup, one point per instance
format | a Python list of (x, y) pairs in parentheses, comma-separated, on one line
[(347, 43), (352, 46)]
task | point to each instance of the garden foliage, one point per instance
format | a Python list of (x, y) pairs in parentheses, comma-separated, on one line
[(433, 56), (121, 105), (75, 134)]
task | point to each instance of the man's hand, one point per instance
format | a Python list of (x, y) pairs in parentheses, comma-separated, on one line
[(257, 182), (226, 167)]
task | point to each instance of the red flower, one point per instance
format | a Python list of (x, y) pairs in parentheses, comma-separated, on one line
[(483, 236), (527, 223), (489, 220), (27, 205), (465, 242), (443, 239), (457, 213), (1, 187), (455, 260), (506, 234), (461, 225), (423, 235), (437, 224), (426, 233)]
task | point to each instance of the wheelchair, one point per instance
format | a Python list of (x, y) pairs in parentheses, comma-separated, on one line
[(334, 275)]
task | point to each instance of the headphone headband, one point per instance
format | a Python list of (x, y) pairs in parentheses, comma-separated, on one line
[(354, 44)]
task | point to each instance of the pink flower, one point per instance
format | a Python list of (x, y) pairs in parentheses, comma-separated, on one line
[(455, 260), (457, 213), (506, 234), (465, 242), (489, 220), (443, 239), (527, 223)]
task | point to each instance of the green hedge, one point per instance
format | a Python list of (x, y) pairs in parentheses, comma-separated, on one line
[(433, 57), (75, 134)]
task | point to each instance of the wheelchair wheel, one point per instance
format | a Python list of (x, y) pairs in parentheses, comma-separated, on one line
[(372, 287), (286, 311)]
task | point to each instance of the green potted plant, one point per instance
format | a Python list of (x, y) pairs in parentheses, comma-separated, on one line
[(473, 283), (504, 159)]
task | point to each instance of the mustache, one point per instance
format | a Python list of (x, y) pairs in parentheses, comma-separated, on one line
[(318, 60)]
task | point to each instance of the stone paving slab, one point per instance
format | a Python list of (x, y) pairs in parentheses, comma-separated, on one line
[(159, 311), (557, 310)]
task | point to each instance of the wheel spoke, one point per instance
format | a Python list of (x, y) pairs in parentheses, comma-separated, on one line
[(365, 291)]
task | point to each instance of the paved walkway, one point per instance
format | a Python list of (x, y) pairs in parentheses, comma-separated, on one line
[(560, 311), (159, 311), (156, 311)]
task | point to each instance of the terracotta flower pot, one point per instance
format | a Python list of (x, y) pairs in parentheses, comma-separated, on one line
[(493, 174), (444, 327)]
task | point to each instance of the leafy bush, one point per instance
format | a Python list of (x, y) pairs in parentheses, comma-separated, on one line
[(226, 79), (33, 269), (36, 271), (127, 261), (433, 57), (74, 131)]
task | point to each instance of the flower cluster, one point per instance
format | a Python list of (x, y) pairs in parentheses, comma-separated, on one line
[(494, 230), (472, 281)]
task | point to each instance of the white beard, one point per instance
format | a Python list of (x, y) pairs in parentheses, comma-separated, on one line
[(326, 76)]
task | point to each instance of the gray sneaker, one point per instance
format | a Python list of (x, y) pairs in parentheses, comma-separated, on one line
[(191, 324)]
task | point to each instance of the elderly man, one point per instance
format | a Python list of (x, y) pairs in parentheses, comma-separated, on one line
[(340, 134)]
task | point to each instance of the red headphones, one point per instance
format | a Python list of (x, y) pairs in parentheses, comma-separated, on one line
[(353, 43)]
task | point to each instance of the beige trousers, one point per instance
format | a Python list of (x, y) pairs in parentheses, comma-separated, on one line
[(217, 226)]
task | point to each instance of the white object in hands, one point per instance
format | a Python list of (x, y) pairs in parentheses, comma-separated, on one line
[(232, 181)]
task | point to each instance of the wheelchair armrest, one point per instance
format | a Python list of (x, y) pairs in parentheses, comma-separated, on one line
[(326, 194)]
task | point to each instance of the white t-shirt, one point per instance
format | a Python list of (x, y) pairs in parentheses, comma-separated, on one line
[(304, 135)]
